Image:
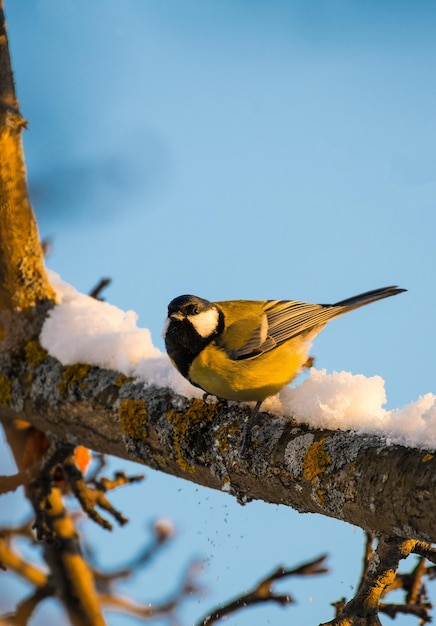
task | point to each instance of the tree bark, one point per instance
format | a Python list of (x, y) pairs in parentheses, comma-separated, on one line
[(25, 296), (353, 477), (23, 281)]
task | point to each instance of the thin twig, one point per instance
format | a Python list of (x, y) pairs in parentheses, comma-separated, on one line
[(187, 589), (62, 455), (13, 561), (102, 284), (12, 482), (26, 608), (393, 610), (425, 550), (263, 591)]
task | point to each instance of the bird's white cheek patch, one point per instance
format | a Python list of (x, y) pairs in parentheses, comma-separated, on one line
[(165, 327), (205, 323)]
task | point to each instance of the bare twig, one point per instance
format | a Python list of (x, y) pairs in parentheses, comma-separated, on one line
[(339, 606), (89, 497), (421, 611), (106, 597), (163, 531), (23, 530), (96, 291), (415, 588), (363, 609), (425, 550), (12, 560), (263, 591), (367, 555), (26, 608), (46, 245), (62, 455), (68, 571), (380, 577), (11, 483), (99, 459), (186, 590)]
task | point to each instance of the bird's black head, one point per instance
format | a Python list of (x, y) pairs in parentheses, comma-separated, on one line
[(185, 306), (191, 324)]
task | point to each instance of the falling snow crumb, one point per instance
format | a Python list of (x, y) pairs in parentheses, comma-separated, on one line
[(83, 329)]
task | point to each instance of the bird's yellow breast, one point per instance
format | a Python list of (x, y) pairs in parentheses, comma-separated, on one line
[(251, 379)]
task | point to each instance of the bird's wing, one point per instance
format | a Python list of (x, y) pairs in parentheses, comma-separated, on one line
[(272, 322), (281, 321), (287, 319), (242, 342)]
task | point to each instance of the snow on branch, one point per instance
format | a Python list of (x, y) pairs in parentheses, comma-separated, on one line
[(137, 411)]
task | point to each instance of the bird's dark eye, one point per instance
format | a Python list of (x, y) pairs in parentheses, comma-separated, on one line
[(192, 309)]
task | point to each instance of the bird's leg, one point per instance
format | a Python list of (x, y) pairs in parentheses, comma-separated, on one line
[(246, 436)]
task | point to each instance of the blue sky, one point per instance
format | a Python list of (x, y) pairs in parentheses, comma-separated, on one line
[(241, 149)]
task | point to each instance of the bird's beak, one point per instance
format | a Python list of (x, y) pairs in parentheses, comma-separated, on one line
[(178, 317)]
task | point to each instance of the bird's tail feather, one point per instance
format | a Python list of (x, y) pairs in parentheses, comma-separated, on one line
[(369, 296)]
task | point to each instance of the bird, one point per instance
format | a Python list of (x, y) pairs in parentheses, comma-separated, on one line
[(248, 350)]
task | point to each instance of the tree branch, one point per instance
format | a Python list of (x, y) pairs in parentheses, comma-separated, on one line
[(74, 580), (23, 281), (12, 560), (352, 477), (26, 608), (263, 592), (363, 609), (11, 483)]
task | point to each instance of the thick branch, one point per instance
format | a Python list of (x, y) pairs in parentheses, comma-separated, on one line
[(74, 580), (22, 276), (355, 478)]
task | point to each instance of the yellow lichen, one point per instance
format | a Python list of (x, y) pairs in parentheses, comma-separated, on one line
[(321, 496), (316, 460), (223, 435), (133, 416), (122, 379), (427, 457), (73, 375), (197, 412), (161, 461), (5, 390), (180, 424), (35, 353)]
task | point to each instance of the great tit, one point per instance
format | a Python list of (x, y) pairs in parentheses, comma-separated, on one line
[(248, 350)]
